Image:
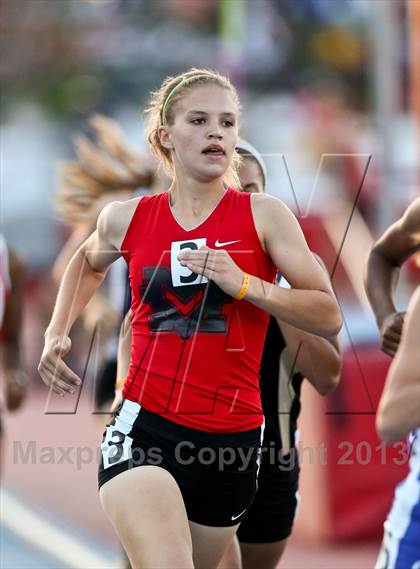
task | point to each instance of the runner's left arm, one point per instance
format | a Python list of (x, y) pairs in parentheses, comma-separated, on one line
[(310, 304)]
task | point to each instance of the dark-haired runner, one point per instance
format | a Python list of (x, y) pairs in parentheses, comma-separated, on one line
[(289, 355), (399, 407)]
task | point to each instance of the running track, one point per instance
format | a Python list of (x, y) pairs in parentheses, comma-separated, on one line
[(50, 513)]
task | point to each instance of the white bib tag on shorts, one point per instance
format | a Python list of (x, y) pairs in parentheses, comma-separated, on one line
[(116, 447)]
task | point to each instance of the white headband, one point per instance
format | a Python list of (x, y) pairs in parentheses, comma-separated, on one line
[(246, 147)]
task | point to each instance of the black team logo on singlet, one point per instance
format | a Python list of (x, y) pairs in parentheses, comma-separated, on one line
[(178, 309)]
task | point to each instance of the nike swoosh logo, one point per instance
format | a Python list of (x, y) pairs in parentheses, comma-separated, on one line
[(218, 244), (233, 518)]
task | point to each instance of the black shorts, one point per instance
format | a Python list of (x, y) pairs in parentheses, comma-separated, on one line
[(216, 472), (271, 515)]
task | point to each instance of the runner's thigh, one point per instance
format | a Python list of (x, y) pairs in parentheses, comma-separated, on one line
[(146, 508)]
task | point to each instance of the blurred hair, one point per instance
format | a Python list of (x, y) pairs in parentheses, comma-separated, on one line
[(106, 165), (161, 110)]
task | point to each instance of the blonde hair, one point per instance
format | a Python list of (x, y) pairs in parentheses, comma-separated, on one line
[(161, 110), (105, 165)]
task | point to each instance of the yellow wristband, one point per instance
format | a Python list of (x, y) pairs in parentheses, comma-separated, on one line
[(119, 383), (244, 288)]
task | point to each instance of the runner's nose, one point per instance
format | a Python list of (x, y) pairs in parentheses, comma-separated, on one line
[(215, 132), (216, 135)]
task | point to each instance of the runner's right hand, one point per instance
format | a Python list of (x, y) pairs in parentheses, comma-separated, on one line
[(53, 370)]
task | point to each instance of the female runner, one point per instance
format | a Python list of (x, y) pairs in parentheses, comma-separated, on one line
[(202, 260)]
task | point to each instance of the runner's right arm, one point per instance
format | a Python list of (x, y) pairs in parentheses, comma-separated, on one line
[(82, 277)]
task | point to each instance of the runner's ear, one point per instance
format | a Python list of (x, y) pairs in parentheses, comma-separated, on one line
[(165, 138)]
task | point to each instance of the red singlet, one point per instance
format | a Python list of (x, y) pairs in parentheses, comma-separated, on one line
[(196, 351)]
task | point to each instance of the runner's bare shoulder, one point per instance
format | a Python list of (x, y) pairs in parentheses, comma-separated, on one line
[(114, 219)]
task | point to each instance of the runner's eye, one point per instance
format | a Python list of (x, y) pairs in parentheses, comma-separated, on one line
[(197, 121)]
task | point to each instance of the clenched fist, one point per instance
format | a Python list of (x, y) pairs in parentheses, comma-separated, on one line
[(390, 331)]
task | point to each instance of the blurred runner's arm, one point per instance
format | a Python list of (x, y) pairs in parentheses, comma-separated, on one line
[(318, 359), (83, 230), (399, 407), (398, 242), (83, 275), (12, 364), (124, 348), (123, 360), (75, 240)]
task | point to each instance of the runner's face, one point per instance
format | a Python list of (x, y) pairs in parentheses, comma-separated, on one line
[(250, 177), (204, 132)]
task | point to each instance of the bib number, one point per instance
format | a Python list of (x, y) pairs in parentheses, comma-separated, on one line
[(116, 447), (182, 276)]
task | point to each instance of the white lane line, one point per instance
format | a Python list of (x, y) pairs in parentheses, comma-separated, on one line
[(49, 538)]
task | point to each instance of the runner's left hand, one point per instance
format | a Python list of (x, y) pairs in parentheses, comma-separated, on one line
[(215, 264)]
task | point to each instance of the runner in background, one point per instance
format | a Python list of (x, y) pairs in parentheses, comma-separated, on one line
[(398, 412), (289, 355), (12, 370)]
